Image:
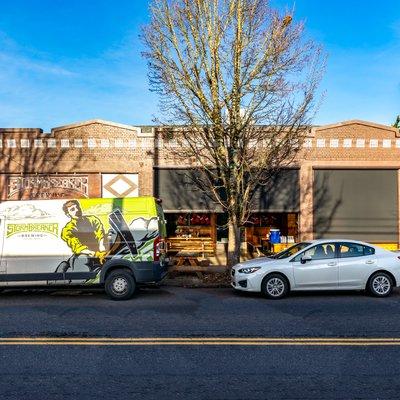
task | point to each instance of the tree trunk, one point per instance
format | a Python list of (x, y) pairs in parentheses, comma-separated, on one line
[(233, 244)]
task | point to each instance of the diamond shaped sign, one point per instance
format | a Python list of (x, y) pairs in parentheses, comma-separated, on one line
[(120, 185)]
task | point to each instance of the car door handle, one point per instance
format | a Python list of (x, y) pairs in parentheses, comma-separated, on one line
[(332, 264), (369, 262)]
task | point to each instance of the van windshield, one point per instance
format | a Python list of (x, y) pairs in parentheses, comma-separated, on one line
[(290, 251)]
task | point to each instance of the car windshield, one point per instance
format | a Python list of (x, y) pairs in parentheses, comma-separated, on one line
[(290, 251)]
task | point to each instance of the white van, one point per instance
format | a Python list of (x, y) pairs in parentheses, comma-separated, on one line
[(117, 243)]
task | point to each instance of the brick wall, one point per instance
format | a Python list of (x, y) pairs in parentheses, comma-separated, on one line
[(89, 149), (92, 148)]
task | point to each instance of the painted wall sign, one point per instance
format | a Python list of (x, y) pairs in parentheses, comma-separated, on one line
[(47, 187)]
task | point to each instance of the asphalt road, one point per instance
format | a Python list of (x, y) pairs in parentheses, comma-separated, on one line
[(89, 369)]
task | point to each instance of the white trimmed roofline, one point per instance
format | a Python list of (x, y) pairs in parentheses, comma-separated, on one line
[(319, 128), (138, 130), (96, 121)]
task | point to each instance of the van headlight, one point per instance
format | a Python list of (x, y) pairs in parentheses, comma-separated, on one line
[(249, 270)]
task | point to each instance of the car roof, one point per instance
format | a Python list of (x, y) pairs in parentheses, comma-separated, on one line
[(321, 241), (377, 248)]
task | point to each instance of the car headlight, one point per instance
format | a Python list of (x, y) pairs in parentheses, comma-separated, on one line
[(249, 270)]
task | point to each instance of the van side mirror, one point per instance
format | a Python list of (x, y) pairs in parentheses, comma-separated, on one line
[(305, 259)]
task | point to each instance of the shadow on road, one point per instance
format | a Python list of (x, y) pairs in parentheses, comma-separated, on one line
[(43, 293), (316, 294)]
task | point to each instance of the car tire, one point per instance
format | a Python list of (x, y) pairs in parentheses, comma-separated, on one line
[(120, 284), (380, 284), (275, 286)]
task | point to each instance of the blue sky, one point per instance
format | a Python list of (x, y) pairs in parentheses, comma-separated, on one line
[(66, 61)]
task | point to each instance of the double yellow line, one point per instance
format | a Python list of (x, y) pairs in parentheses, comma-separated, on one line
[(204, 341)]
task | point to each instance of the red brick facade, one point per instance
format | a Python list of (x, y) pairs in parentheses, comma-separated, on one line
[(75, 160)]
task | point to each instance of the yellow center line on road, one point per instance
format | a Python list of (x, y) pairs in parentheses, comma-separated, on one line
[(202, 339), (196, 341)]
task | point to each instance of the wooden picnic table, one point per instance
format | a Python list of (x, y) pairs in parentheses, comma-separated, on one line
[(187, 258), (193, 245)]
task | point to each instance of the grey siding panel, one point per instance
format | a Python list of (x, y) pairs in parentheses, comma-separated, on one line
[(282, 195), (178, 192), (356, 204)]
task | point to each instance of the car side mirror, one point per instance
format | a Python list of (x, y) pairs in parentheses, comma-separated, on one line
[(304, 259)]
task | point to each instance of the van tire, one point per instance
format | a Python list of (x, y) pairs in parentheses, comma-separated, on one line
[(120, 284)]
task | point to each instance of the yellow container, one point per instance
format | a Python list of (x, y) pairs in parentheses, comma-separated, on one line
[(278, 247), (387, 246)]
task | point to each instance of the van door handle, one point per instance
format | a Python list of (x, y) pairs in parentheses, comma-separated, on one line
[(369, 262), (332, 264)]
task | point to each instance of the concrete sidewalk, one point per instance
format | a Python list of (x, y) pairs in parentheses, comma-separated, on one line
[(198, 277)]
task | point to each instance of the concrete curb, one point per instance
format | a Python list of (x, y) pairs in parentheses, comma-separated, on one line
[(193, 282)]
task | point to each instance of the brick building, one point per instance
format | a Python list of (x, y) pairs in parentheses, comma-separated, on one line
[(344, 184)]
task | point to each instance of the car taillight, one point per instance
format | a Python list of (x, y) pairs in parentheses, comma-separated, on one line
[(156, 249), (159, 247)]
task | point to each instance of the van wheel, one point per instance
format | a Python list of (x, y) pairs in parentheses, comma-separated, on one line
[(120, 285), (380, 284), (275, 286)]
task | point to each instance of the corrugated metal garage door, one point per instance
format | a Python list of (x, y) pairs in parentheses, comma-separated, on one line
[(356, 204), (178, 192)]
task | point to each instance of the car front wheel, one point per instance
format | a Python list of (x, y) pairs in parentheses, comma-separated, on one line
[(380, 284), (120, 285), (275, 286)]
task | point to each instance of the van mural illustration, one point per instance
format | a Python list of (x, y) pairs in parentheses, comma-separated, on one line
[(115, 242)]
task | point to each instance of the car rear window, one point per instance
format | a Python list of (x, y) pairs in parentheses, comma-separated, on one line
[(347, 250), (368, 250)]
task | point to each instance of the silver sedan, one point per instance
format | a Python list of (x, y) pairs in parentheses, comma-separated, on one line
[(321, 265)]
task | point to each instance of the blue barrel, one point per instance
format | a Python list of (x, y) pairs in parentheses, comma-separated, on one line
[(274, 236)]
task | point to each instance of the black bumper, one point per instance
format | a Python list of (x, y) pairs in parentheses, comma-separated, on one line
[(150, 271)]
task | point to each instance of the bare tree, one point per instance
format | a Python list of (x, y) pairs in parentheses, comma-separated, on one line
[(238, 81)]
